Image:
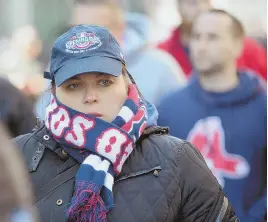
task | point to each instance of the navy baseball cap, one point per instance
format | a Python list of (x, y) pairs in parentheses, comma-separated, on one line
[(82, 49)]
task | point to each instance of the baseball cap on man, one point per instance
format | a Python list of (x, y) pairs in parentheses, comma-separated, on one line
[(82, 49)]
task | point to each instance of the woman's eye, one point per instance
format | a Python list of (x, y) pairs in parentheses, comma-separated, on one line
[(105, 82), (73, 86)]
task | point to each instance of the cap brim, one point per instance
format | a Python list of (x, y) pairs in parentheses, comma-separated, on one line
[(89, 64)]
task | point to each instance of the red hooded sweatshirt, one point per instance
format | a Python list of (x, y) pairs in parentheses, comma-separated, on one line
[(254, 56)]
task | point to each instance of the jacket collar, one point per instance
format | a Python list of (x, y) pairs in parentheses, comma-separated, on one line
[(43, 136), (155, 130)]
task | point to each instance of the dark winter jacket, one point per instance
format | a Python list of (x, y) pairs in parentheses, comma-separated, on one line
[(16, 110), (164, 179)]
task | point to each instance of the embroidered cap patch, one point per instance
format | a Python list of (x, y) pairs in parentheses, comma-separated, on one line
[(82, 42)]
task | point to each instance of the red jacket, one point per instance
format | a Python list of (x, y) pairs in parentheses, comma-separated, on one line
[(254, 56)]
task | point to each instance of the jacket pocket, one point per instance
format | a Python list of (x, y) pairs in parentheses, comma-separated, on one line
[(155, 171), (56, 182), (53, 206), (53, 198)]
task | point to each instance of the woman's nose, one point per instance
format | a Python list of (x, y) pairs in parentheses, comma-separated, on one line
[(90, 97)]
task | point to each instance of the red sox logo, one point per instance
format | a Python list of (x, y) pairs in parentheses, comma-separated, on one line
[(208, 136)]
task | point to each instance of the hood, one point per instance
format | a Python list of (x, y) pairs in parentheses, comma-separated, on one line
[(152, 114), (136, 34), (249, 87)]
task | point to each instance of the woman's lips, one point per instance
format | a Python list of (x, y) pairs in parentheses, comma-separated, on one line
[(95, 114)]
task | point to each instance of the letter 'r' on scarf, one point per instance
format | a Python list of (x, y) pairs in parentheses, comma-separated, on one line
[(100, 147)]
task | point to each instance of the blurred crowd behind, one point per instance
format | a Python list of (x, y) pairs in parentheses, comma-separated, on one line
[(155, 36)]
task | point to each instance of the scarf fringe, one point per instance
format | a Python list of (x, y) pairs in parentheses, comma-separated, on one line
[(87, 206)]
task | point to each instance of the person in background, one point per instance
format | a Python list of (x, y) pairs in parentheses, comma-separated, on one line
[(253, 56), (222, 111), (155, 71), (16, 197), (16, 110), (100, 156)]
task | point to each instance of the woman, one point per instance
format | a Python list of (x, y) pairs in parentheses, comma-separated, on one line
[(100, 155)]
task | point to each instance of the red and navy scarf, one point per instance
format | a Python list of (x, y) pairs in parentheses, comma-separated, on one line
[(102, 149)]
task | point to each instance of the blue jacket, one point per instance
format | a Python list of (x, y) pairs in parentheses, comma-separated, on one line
[(230, 131)]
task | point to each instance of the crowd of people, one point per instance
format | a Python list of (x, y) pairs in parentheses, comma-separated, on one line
[(128, 130)]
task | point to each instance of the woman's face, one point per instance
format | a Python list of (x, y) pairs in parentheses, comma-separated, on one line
[(98, 94)]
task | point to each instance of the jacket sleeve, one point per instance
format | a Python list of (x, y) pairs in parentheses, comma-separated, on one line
[(202, 196)]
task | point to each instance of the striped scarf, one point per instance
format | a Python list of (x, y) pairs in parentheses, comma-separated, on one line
[(100, 147)]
